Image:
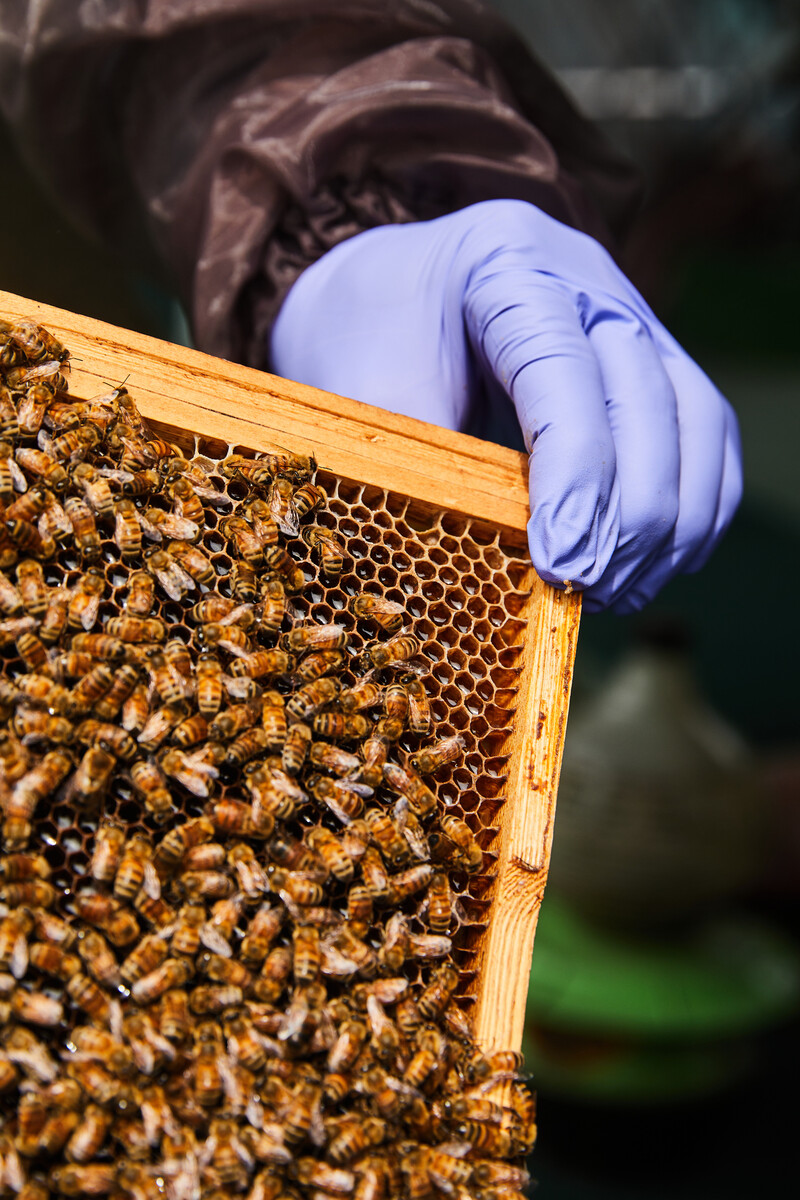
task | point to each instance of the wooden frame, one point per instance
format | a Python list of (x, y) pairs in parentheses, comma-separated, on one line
[(182, 390)]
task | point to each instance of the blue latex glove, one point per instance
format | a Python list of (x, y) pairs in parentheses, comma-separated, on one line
[(635, 457)]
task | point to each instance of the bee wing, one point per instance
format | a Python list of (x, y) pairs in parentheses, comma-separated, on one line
[(115, 474), (360, 789), (17, 476), (430, 945), (151, 882), (180, 528), (46, 443), (149, 529), (239, 687), (18, 963), (213, 940), (236, 614)]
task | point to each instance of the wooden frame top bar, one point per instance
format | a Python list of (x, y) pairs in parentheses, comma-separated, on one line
[(183, 388)]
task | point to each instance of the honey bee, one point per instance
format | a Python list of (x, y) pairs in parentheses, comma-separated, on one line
[(24, 1049), (84, 992), (11, 476), (31, 726), (171, 973), (46, 468), (19, 867), (125, 680), (282, 508), (273, 719), (141, 594), (54, 523), (244, 583), (160, 724), (431, 758), (386, 837), (35, 343), (318, 663), (173, 577), (136, 870), (227, 637), (209, 1052), (364, 694), (295, 748), (398, 649), (36, 1008), (29, 540), (174, 1019), (136, 629), (111, 649), (329, 848), (329, 550), (104, 912), (236, 817), (440, 904), (150, 782), (41, 781), (248, 544), (261, 664), (339, 727), (92, 777), (307, 701), (316, 637), (157, 525), (98, 957), (354, 1136), (88, 1138), (29, 507), (457, 843), (74, 444), (421, 799), (171, 849), (84, 1179), (209, 684), (55, 617), (32, 651), (192, 771), (14, 952), (409, 882), (186, 500), (108, 846), (36, 892), (9, 420), (388, 614), (431, 1049), (148, 954), (112, 737), (42, 691), (90, 688), (263, 927), (193, 561), (212, 885), (32, 587), (96, 489), (11, 601), (307, 958), (343, 800), (135, 709)]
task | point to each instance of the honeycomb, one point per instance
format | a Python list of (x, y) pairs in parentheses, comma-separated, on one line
[(462, 588), (462, 582)]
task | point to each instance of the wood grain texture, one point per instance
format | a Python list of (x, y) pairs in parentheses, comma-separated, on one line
[(526, 819), (186, 392)]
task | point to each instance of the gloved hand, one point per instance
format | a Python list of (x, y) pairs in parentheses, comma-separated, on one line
[(635, 460)]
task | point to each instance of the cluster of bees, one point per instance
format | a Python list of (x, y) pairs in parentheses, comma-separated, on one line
[(251, 989)]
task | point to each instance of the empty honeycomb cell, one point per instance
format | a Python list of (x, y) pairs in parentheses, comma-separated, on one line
[(393, 542), (438, 556), (497, 615), (381, 555), (449, 545), (432, 590), (452, 695), (490, 787), (443, 673), (439, 614), (449, 576), (464, 681), (476, 606)]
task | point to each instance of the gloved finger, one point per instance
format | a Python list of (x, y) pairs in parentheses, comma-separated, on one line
[(537, 349), (710, 485), (643, 416), (387, 358)]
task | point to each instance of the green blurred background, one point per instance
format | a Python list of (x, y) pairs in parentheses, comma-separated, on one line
[(706, 98)]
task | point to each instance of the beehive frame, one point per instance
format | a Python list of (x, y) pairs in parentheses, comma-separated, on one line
[(445, 517)]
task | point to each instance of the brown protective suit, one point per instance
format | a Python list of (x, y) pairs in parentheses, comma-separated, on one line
[(247, 137)]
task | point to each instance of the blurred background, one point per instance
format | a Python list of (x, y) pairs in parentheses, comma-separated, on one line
[(664, 1024)]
